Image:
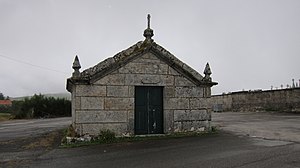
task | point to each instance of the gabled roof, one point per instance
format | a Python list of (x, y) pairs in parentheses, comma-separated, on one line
[(111, 64)]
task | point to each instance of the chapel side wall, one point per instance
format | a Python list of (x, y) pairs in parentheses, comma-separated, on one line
[(109, 102)]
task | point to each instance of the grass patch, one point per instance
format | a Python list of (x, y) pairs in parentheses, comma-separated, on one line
[(45, 141), (107, 137), (5, 116)]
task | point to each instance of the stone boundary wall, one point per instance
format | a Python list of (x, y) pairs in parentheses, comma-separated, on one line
[(283, 100)]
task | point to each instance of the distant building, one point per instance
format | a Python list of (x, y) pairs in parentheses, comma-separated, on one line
[(141, 90), (5, 103)]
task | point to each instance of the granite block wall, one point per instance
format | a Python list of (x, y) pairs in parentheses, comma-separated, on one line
[(108, 103)]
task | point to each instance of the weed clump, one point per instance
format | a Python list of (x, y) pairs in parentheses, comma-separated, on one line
[(107, 136)]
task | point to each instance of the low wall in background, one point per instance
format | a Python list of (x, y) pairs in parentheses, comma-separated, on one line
[(283, 100)]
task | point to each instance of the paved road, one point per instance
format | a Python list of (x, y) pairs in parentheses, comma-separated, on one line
[(13, 129), (221, 151), (241, 143), (278, 126)]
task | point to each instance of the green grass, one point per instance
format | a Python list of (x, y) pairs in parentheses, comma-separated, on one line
[(5, 116)]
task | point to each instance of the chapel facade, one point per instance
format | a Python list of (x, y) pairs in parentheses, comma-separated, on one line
[(142, 90)]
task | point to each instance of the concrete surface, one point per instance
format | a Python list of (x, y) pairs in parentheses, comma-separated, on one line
[(221, 151), (13, 129), (275, 126)]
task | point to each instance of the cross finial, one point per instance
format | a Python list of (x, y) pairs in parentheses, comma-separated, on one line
[(148, 33), (148, 17)]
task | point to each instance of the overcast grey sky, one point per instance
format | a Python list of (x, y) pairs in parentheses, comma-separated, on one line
[(250, 44)]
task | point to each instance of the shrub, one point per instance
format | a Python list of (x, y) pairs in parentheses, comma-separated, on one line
[(214, 129), (107, 136)]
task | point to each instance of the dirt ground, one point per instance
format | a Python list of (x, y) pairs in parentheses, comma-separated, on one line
[(19, 151), (23, 140)]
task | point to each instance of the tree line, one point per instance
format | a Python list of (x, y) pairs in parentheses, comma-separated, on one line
[(2, 97), (39, 106)]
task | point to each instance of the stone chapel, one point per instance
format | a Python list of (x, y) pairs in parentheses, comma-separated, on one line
[(142, 90)]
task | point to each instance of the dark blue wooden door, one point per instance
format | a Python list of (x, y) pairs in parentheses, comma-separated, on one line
[(148, 110)]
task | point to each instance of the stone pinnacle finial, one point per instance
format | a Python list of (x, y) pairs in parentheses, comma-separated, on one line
[(76, 66), (207, 72), (148, 33)]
